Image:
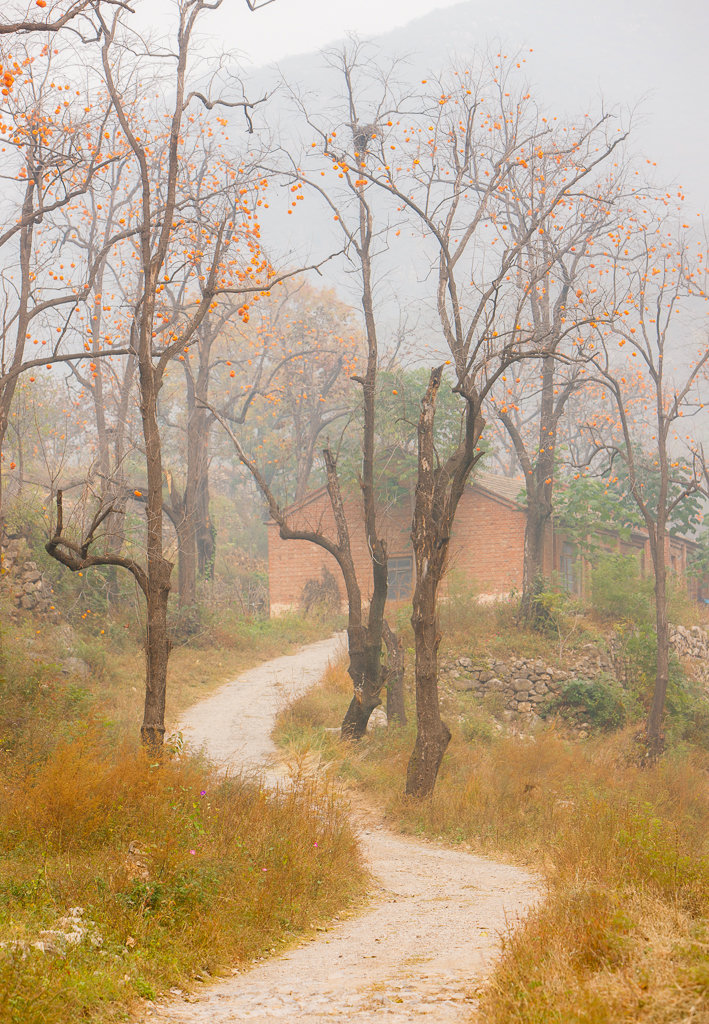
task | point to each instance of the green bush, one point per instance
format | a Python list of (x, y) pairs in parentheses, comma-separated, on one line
[(618, 592), (602, 702), (637, 664)]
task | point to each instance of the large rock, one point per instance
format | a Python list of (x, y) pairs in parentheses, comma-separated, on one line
[(378, 719), (75, 667)]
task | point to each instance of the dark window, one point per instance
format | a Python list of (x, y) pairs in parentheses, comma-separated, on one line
[(400, 577), (567, 567)]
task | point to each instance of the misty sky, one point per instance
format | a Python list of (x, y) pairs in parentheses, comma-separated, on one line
[(287, 27), (646, 55)]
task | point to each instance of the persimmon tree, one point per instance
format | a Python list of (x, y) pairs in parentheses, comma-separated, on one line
[(38, 16), (186, 502), (559, 276), (450, 166), (343, 138), (108, 380), (651, 365), (175, 241), (315, 396), (55, 153)]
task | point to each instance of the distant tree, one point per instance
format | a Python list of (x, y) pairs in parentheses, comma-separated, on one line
[(318, 339), (656, 379), (55, 152), (561, 301), (587, 507)]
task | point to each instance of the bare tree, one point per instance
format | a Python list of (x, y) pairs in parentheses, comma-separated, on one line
[(656, 378), (560, 302), (60, 16), (367, 98)]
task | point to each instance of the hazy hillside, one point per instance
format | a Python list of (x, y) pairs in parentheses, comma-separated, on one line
[(647, 58), (646, 55)]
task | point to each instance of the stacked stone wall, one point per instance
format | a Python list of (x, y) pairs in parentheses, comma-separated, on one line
[(23, 579), (524, 684)]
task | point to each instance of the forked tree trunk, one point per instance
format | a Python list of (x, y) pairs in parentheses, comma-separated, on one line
[(439, 488), (365, 642), (366, 699), (367, 688)]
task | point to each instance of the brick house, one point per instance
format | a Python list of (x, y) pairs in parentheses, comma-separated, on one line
[(486, 552)]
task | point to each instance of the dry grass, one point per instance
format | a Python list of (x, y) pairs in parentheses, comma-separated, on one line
[(181, 870), (622, 934), (55, 675)]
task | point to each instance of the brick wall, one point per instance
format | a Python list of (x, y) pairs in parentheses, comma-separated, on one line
[(487, 546), (486, 552)]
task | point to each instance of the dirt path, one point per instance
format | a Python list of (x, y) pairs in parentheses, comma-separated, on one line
[(416, 952)]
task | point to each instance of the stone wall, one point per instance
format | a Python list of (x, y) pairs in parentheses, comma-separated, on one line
[(523, 684), (692, 644), (22, 578)]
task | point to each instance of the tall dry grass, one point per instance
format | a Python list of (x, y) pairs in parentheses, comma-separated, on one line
[(623, 851), (182, 871)]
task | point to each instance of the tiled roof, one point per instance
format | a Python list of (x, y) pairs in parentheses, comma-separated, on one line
[(507, 487)]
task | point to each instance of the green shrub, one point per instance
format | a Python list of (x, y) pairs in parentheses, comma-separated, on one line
[(618, 592), (636, 663), (602, 702)]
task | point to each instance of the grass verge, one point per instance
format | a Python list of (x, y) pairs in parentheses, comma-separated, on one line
[(120, 877), (53, 674)]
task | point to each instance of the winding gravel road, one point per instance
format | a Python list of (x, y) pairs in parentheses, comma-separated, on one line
[(416, 952)]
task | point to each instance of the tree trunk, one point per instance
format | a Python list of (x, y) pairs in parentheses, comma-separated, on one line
[(157, 652), (186, 561), (538, 515), (432, 735), (654, 731), (437, 496), (159, 570), (205, 531), (396, 709), (365, 650), (366, 696)]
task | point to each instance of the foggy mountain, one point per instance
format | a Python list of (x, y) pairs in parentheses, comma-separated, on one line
[(641, 58), (640, 54)]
